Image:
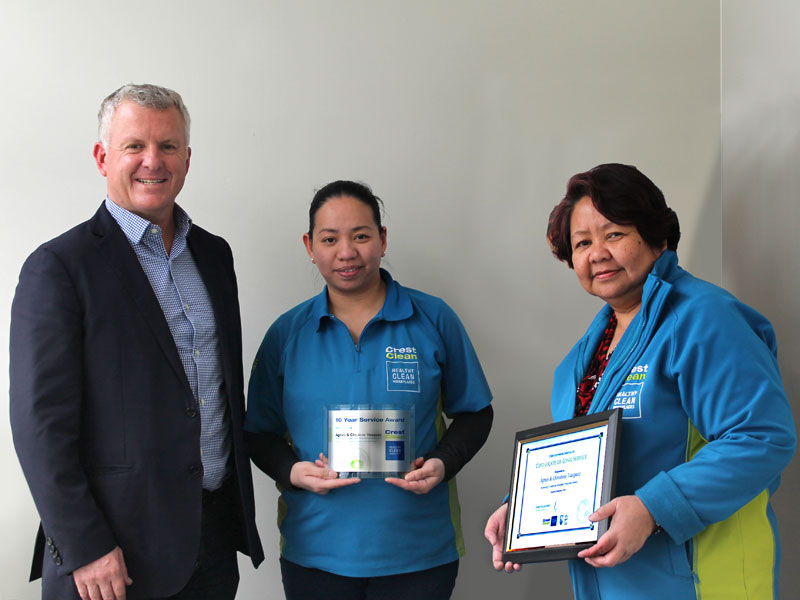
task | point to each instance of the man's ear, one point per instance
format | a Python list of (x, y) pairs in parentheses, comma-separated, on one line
[(100, 154)]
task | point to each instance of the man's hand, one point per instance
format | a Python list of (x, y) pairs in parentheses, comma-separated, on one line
[(495, 532), (631, 526), (103, 579), (423, 477)]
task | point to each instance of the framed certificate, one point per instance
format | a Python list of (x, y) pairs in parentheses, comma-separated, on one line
[(561, 474), (368, 440)]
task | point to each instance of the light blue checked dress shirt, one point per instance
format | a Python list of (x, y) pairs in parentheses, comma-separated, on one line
[(184, 299)]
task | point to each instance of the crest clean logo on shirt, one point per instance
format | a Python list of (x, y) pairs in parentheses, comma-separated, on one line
[(402, 369), (629, 397)]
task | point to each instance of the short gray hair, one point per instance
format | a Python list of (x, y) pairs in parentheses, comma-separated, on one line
[(146, 96)]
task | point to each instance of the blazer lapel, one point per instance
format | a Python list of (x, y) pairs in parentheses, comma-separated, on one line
[(114, 248), (213, 274)]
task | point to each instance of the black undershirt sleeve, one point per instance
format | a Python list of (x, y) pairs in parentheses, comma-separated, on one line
[(464, 437), (272, 454)]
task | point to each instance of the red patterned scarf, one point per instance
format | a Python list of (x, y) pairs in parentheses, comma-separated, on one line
[(587, 387)]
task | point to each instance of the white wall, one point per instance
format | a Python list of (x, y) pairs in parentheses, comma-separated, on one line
[(760, 95), (466, 117)]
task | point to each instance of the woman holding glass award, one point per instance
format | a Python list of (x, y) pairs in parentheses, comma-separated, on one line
[(354, 382), (706, 427)]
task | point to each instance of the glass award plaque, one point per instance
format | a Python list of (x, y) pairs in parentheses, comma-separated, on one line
[(367, 440)]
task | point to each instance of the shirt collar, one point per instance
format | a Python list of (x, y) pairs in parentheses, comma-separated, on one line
[(134, 226), (667, 262), (396, 307)]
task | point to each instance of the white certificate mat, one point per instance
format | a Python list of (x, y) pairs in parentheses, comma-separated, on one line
[(370, 440), (562, 473)]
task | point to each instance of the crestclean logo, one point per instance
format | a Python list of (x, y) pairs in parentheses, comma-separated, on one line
[(402, 369), (629, 397), (404, 353), (638, 373)]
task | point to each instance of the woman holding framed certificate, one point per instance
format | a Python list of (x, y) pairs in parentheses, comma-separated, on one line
[(345, 412), (706, 427)]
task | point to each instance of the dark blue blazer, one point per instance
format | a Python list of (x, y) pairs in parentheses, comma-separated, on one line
[(103, 418)]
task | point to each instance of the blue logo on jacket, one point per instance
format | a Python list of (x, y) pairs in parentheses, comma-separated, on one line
[(629, 400), (629, 397)]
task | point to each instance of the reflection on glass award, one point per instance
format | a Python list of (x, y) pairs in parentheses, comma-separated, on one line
[(584, 510), (370, 440)]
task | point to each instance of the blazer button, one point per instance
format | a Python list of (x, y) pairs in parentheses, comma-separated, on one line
[(50, 542), (194, 469), (58, 561), (191, 412)]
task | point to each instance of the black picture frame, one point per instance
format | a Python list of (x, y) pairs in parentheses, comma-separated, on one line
[(560, 539)]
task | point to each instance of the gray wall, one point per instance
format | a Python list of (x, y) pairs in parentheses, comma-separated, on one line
[(467, 117), (760, 94)]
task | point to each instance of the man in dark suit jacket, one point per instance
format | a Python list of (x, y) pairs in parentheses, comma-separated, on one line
[(126, 381)]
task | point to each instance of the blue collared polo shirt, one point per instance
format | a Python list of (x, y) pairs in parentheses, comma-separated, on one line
[(307, 361)]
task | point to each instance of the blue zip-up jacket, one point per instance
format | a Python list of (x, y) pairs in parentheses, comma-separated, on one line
[(706, 431)]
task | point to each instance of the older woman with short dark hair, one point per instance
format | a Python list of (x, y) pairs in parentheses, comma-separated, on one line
[(706, 425)]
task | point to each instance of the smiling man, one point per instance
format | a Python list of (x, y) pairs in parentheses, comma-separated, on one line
[(126, 381)]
